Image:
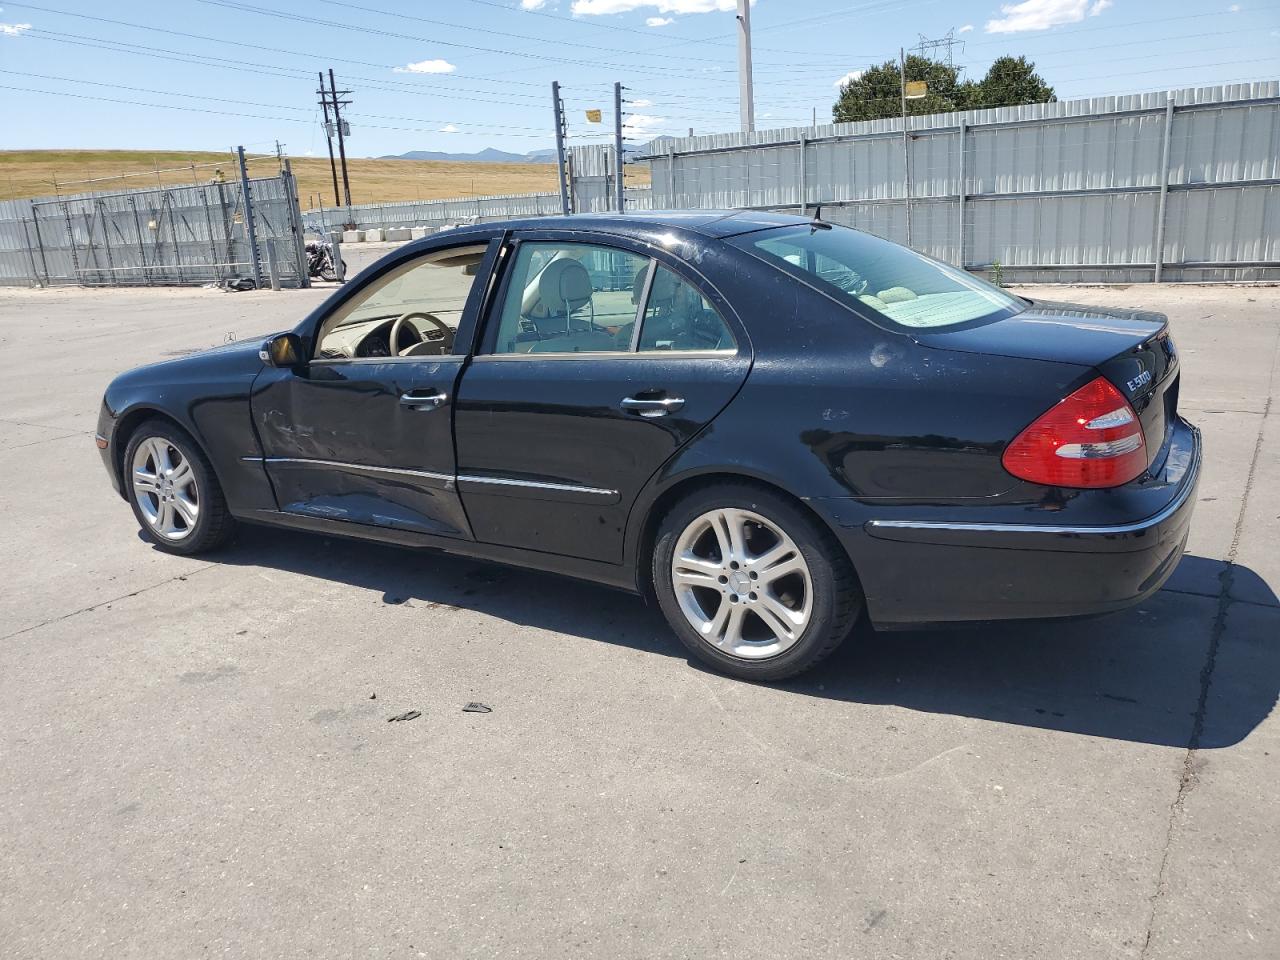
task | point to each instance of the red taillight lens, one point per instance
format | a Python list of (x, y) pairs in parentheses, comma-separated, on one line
[(1090, 439)]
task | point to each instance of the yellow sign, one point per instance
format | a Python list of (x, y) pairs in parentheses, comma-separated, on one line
[(593, 116), (916, 89)]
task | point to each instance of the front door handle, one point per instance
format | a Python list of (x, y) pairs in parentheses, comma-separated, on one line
[(424, 399), (655, 407)]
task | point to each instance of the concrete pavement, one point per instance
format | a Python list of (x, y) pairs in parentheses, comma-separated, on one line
[(194, 761)]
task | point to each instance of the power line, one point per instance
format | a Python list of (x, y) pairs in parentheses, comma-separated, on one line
[(373, 31)]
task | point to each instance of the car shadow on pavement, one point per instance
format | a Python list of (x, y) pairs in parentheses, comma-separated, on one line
[(1135, 675)]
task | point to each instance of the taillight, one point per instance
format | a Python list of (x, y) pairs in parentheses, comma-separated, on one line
[(1090, 439)]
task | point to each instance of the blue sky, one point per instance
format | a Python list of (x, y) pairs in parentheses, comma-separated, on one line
[(460, 75)]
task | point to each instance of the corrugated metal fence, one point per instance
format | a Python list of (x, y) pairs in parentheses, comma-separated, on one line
[(433, 214), (160, 237), (1083, 190)]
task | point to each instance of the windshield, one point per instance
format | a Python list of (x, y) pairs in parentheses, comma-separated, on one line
[(886, 281)]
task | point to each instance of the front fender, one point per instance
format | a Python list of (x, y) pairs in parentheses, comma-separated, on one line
[(207, 394)]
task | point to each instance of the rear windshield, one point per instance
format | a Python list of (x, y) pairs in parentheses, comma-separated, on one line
[(885, 281)]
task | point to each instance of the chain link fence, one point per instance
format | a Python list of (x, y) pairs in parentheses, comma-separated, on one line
[(164, 236)]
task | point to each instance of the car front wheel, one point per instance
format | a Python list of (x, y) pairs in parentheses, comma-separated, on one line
[(751, 583), (173, 491)]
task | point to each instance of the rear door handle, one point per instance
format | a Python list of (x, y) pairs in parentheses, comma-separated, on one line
[(424, 399), (656, 407)]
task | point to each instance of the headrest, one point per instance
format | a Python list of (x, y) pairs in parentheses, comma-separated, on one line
[(564, 282), (663, 289)]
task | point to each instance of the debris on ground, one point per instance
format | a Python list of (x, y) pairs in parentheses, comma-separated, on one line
[(407, 715), (477, 708)]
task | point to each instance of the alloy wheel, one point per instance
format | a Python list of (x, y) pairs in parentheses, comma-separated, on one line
[(165, 488), (742, 583)]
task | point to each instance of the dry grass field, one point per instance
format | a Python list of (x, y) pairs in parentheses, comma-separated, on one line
[(31, 173)]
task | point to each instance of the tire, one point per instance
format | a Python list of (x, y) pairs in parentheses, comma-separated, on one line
[(789, 614), (180, 507)]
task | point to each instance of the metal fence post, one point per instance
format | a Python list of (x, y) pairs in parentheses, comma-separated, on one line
[(1164, 189), (295, 224), (963, 193), (248, 219), (142, 246), (213, 246), (273, 267), (71, 242), (803, 176), (340, 268), (31, 254), (671, 178)]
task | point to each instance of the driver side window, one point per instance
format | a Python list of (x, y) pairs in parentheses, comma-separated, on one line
[(411, 311)]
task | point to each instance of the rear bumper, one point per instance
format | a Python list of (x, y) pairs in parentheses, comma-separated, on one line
[(943, 570)]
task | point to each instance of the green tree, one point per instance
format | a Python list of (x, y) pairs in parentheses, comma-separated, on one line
[(1011, 81), (876, 92)]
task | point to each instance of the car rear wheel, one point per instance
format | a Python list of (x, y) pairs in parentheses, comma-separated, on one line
[(751, 583), (173, 491)]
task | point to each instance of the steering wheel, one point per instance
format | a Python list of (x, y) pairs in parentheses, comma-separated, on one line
[(438, 340)]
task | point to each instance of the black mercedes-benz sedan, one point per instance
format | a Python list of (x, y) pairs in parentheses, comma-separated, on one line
[(768, 424)]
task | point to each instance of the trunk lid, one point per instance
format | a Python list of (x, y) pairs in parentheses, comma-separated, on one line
[(1131, 348)]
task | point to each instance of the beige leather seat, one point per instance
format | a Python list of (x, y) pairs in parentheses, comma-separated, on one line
[(563, 286)]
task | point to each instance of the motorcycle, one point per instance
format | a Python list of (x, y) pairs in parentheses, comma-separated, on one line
[(320, 263)]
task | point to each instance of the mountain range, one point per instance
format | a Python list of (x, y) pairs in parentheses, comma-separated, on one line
[(491, 155), (487, 155)]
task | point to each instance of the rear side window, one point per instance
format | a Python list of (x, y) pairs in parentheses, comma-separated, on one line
[(889, 281), (568, 297), (678, 317)]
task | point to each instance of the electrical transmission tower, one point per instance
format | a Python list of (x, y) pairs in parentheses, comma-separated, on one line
[(930, 49)]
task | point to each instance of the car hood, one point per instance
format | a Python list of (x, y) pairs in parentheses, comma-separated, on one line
[(1061, 332), (236, 359)]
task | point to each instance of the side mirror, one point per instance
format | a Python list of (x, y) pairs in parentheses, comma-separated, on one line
[(282, 350)]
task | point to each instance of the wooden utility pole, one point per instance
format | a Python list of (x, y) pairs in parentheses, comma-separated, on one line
[(337, 118), (328, 136)]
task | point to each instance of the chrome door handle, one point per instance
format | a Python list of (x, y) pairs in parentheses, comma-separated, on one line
[(424, 401), (652, 408)]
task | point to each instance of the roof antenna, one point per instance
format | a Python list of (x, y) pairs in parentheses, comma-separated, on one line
[(817, 223)]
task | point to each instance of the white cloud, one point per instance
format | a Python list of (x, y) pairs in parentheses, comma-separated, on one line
[(849, 77), (13, 29), (599, 8), (641, 124), (641, 103), (966, 28), (427, 66), (1043, 14), (1234, 8), (532, 4), (448, 128), (659, 21)]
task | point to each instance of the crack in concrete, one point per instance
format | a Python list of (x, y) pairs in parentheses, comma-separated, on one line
[(1218, 595), (1226, 579), (41, 426), (103, 603), (32, 443)]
